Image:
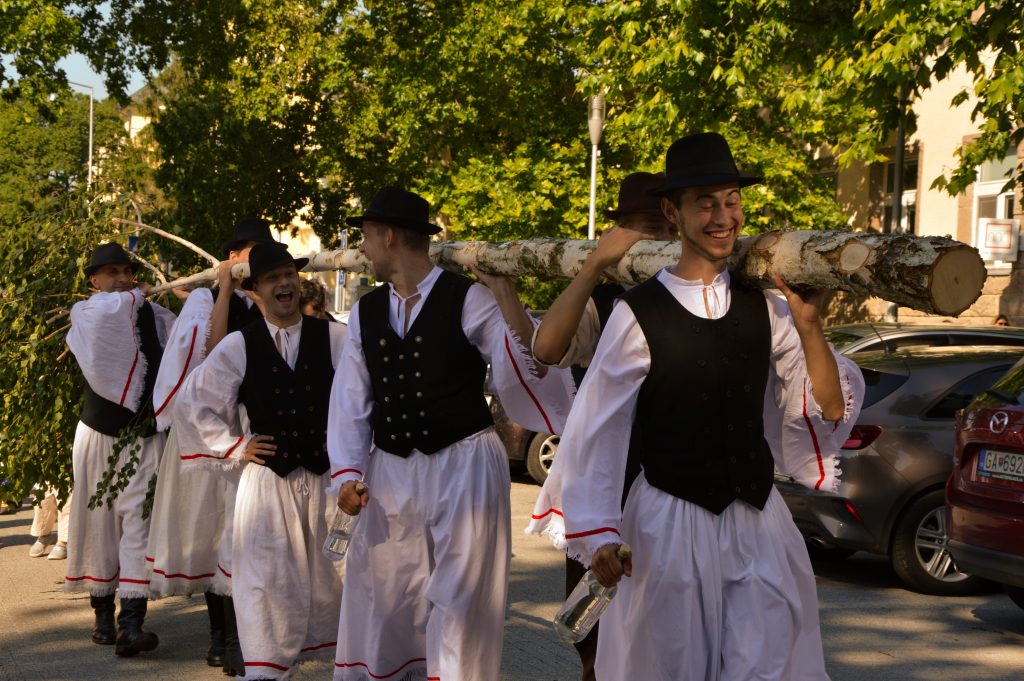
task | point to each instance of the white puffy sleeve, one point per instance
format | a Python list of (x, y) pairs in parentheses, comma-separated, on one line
[(211, 427), (349, 428), (580, 503), (538, 404), (105, 342), (805, 445), (184, 351)]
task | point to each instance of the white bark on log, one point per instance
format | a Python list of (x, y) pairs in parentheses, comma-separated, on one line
[(930, 274)]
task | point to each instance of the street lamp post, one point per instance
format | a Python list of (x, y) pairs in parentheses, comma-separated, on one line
[(88, 175), (595, 122)]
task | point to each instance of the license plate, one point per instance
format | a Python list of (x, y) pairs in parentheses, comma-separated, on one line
[(1002, 465)]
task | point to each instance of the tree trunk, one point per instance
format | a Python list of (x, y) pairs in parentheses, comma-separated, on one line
[(930, 274)]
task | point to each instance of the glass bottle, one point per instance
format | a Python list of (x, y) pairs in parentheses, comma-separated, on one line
[(585, 604), (340, 532)]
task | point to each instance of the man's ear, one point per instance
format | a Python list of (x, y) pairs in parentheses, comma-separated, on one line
[(669, 210), (389, 236)]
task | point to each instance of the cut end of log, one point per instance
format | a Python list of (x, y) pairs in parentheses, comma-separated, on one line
[(853, 256), (956, 282)]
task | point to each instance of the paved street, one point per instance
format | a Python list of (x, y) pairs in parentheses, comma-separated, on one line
[(874, 630)]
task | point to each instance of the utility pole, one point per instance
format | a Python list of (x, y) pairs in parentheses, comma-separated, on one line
[(595, 122), (88, 176)]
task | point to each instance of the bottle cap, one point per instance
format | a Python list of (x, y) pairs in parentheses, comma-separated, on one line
[(623, 552)]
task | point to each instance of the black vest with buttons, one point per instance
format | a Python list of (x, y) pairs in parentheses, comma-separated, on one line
[(112, 419), (289, 404), (428, 386), (698, 428)]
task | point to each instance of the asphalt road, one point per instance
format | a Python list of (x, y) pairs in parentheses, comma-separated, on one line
[(873, 629)]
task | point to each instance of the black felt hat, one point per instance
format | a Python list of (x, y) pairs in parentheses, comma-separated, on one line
[(109, 254), (701, 160), (398, 208), (635, 195), (267, 256), (246, 231)]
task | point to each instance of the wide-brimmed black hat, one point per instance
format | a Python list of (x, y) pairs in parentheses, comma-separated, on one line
[(109, 254), (701, 160), (267, 256), (636, 195), (398, 208), (247, 231)]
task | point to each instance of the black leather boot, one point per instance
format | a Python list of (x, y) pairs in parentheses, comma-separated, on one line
[(234, 665), (215, 609), (131, 639), (103, 632)]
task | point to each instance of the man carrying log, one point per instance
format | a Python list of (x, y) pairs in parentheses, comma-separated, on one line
[(568, 334), (280, 368), (709, 379), (117, 338), (427, 567), (190, 537)]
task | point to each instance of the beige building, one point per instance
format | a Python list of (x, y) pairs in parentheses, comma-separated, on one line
[(986, 216)]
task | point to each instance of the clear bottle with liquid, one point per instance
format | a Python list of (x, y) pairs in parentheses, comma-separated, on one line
[(585, 604), (340, 532)]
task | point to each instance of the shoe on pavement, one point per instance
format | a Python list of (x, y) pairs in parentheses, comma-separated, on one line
[(58, 552), (38, 549)]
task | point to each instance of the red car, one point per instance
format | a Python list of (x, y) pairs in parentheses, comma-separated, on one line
[(985, 493)]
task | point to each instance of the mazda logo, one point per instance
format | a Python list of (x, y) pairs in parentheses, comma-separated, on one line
[(997, 423)]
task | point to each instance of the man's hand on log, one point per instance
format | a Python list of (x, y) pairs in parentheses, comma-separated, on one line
[(806, 307), (613, 244), (353, 496), (498, 283), (226, 282), (181, 293)]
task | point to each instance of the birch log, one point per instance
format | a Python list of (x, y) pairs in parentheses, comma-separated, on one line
[(930, 274)]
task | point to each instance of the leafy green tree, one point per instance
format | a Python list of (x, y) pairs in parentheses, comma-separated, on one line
[(42, 159)]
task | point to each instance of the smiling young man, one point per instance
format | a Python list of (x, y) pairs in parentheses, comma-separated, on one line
[(427, 568), (286, 592), (715, 384), (117, 338), (190, 533)]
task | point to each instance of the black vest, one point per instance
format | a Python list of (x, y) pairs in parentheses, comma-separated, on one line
[(110, 418), (239, 314), (698, 429), (428, 386), (289, 404)]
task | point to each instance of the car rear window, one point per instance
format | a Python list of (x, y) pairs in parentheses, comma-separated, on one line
[(1013, 382), (960, 395), (840, 339), (879, 384)]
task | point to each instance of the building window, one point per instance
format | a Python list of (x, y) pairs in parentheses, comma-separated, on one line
[(908, 197), (990, 199)]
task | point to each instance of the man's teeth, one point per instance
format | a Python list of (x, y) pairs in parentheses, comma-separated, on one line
[(720, 235)]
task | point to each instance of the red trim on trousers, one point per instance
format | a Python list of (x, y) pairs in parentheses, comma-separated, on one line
[(223, 571), (90, 578), (179, 575), (134, 581), (184, 373), (318, 647), (345, 470), (266, 664), (529, 392), (345, 665)]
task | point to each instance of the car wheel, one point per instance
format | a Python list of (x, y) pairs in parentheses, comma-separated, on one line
[(540, 456), (920, 552), (1016, 594)]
